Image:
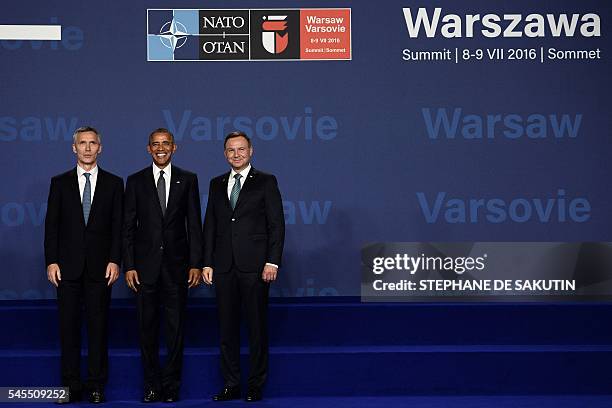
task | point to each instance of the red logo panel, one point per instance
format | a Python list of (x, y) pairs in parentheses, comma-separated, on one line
[(325, 34)]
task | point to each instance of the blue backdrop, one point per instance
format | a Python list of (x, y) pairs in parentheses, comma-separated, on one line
[(377, 148)]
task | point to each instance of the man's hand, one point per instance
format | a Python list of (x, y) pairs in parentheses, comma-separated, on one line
[(131, 277), (112, 272), (207, 275), (53, 274), (269, 273), (194, 277)]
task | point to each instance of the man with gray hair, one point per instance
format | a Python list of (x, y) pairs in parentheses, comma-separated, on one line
[(82, 254)]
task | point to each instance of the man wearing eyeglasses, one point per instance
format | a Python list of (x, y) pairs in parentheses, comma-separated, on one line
[(162, 248)]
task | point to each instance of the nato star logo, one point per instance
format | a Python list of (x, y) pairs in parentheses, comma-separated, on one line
[(173, 34)]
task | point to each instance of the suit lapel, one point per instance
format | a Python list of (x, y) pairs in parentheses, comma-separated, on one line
[(97, 194), (76, 194), (153, 189), (224, 183), (176, 180)]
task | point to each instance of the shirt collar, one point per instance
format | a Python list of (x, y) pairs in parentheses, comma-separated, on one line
[(244, 172), (167, 170), (81, 171)]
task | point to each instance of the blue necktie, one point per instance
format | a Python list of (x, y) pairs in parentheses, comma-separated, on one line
[(86, 198), (235, 191)]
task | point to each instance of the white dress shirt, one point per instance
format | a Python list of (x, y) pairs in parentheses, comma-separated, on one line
[(167, 176), (232, 180), (82, 180)]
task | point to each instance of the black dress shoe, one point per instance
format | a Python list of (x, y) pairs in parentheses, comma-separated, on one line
[(227, 394), (97, 397), (171, 396), (253, 394), (150, 395)]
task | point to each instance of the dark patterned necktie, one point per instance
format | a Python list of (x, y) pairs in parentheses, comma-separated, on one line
[(161, 191)]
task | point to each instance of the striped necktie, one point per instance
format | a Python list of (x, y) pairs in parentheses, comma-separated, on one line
[(235, 191)]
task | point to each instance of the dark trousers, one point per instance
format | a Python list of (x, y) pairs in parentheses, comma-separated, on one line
[(236, 290), (72, 296), (170, 297)]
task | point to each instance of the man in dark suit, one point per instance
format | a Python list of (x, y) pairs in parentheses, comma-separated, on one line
[(244, 232), (83, 253), (162, 247)]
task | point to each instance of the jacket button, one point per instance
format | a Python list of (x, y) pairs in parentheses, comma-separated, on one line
[(233, 219), (161, 247)]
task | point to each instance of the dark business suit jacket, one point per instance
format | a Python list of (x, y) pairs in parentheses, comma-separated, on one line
[(72, 244), (251, 234), (150, 238)]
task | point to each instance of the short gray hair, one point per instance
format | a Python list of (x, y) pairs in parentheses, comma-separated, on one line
[(83, 129)]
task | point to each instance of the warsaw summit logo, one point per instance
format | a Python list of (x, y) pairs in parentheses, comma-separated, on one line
[(242, 35), (274, 36)]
